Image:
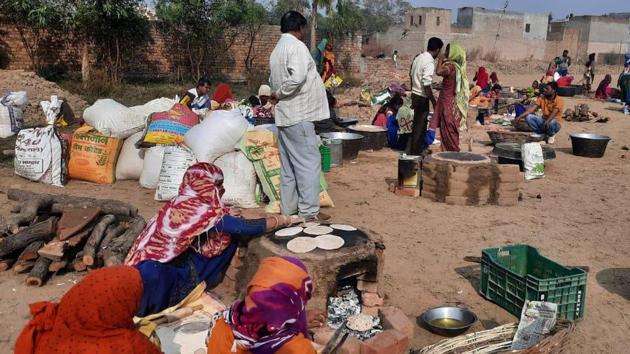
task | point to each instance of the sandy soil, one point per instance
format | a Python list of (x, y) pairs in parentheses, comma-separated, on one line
[(581, 218)]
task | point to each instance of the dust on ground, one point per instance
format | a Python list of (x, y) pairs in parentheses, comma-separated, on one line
[(581, 218)]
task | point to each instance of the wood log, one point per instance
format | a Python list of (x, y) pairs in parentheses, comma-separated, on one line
[(5, 264), (117, 250), (74, 220), (77, 264), (94, 241), (28, 213), (23, 266), (40, 231), (30, 252), (38, 274), (59, 202), (112, 232), (53, 250), (56, 266)]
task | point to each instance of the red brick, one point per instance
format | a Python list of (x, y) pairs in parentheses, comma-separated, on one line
[(351, 346), (369, 286), (390, 341), (322, 335), (371, 299), (408, 192), (370, 310), (394, 318)]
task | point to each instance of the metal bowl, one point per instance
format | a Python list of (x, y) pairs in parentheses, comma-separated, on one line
[(463, 317), (351, 143), (375, 136), (589, 145)]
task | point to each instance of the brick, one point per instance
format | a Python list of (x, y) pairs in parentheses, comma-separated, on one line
[(394, 318), (507, 194), (507, 201), (351, 346), (370, 310), (408, 192), (368, 277), (508, 169), (371, 299), (368, 286), (390, 341), (322, 335)]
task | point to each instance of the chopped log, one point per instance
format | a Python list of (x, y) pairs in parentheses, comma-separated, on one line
[(23, 266), (79, 237), (74, 220), (59, 202), (28, 213), (38, 274), (117, 250), (94, 241), (53, 250), (40, 231), (5, 264), (112, 232), (77, 263), (30, 252), (56, 266)]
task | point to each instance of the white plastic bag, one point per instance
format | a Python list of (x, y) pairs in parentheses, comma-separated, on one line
[(151, 167), (533, 161), (113, 119), (239, 180), (130, 160), (176, 161), (11, 113), (156, 105), (51, 108), (41, 156), (216, 135)]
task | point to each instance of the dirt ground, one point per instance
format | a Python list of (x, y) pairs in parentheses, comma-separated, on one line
[(580, 218)]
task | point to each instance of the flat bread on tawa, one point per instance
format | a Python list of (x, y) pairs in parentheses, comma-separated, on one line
[(360, 322), (310, 224), (302, 245), (318, 230), (343, 227), (289, 231), (329, 242)]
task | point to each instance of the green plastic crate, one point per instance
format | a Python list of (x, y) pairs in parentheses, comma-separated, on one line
[(512, 274)]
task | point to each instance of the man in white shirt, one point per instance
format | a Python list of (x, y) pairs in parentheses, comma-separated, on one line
[(197, 97), (300, 98), (421, 74)]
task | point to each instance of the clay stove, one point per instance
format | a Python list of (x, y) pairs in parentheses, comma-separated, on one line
[(358, 263), (464, 178)]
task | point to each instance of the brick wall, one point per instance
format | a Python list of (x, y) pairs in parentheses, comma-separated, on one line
[(160, 57)]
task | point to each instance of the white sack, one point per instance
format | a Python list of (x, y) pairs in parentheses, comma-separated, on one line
[(157, 105), (111, 118), (239, 180), (130, 160), (176, 161), (216, 135), (533, 161), (40, 157), (151, 167), (51, 108), (11, 113)]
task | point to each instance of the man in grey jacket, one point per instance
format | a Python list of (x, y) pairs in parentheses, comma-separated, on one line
[(300, 99)]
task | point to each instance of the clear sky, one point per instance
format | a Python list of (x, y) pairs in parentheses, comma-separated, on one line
[(559, 8)]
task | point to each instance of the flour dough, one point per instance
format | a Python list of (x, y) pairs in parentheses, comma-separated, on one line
[(289, 231), (343, 227), (302, 245), (329, 242), (360, 322), (318, 230)]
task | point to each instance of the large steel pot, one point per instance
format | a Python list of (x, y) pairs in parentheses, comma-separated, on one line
[(589, 145), (351, 143), (375, 136)]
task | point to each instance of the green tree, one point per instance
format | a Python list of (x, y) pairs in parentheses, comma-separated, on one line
[(315, 6), (280, 7)]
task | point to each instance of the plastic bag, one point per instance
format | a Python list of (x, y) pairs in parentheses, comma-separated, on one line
[(533, 161), (366, 96), (239, 180), (218, 134), (41, 155), (176, 161), (169, 127), (11, 115), (111, 118), (151, 167), (333, 81), (130, 160)]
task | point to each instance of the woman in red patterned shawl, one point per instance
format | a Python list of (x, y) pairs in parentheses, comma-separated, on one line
[(192, 239)]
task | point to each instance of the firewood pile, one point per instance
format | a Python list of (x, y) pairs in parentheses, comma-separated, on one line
[(48, 233), (581, 113)]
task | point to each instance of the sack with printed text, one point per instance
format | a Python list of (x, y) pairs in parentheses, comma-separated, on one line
[(11, 107), (93, 156)]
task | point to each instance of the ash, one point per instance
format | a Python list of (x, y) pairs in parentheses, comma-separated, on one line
[(347, 304)]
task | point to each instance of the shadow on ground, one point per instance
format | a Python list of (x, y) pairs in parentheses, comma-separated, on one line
[(616, 281)]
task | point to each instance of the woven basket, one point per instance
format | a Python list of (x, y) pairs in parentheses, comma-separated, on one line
[(499, 340)]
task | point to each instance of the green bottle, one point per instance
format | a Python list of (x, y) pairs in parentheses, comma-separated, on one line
[(325, 152)]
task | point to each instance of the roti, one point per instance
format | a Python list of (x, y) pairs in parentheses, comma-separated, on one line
[(360, 322), (329, 242), (311, 224), (302, 245), (318, 230), (343, 227), (289, 231)]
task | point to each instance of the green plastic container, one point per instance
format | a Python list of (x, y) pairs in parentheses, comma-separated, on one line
[(512, 274), (326, 158)]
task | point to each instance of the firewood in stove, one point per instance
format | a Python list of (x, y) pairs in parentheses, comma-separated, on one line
[(41, 231), (117, 250), (39, 273), (94, 241), (59, 202)]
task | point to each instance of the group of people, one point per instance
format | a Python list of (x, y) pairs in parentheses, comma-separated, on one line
[(622, 92)]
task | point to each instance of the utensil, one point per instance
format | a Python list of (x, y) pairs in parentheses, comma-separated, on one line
[(462, 319), (375, 136), (589, 145), (351, 143)]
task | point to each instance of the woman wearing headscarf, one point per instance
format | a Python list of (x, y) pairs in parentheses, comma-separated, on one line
[(603, 88), (481, 78), (94, 316), (624, 85), (191, 239), (494, 78), (451, 109), (272, 317), (223, 94), (324, 59)]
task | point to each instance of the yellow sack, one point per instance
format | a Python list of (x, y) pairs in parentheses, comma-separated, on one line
[(333, 81), (93, 156)]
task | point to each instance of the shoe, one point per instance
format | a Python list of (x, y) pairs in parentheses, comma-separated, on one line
[(317, 218), (626, 110), (551, 139)]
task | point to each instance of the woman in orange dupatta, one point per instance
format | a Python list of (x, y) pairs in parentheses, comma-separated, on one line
[(272, 318), (95, 316)]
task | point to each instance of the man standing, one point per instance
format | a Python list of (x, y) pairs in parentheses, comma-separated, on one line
[(301, 100), (565, 62), (552, 107), (421, 74)]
